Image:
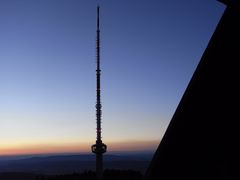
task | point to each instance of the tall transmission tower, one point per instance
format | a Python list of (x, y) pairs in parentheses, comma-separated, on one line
[(99, 148)]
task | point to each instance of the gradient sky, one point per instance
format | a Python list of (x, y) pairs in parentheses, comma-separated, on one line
[(150, 50)]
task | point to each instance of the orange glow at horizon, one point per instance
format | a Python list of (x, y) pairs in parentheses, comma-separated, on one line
[(44, 149), (76, 147)]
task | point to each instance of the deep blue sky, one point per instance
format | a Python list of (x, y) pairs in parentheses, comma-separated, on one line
[(149, 51)]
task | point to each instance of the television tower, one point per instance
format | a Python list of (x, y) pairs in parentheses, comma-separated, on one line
[(99, 148)]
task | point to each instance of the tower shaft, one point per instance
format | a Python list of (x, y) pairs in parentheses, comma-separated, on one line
[(99, 148), (98, 74)]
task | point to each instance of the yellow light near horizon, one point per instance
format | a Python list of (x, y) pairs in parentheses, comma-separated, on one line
[(132, 145), (74, 147), (45, 149)]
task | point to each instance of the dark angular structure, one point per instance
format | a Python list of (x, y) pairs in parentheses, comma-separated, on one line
[(202, 139)]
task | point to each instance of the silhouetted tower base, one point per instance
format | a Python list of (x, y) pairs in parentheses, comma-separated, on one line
[(99, 148)]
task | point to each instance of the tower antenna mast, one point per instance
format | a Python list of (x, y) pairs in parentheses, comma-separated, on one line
[(99, 148)]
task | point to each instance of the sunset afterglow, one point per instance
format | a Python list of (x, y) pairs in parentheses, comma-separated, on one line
[(149, 51), (74, 147)]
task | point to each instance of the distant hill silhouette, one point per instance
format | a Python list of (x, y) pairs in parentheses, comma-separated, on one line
[(203, 138), (66, 164)]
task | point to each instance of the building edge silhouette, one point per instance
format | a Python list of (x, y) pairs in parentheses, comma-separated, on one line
[(202, 139)]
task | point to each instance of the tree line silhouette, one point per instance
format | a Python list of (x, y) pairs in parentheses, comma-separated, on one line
[(90, 175)]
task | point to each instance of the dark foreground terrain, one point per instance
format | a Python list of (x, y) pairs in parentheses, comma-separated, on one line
[(87, 175), (68, 164), (73, 167)]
